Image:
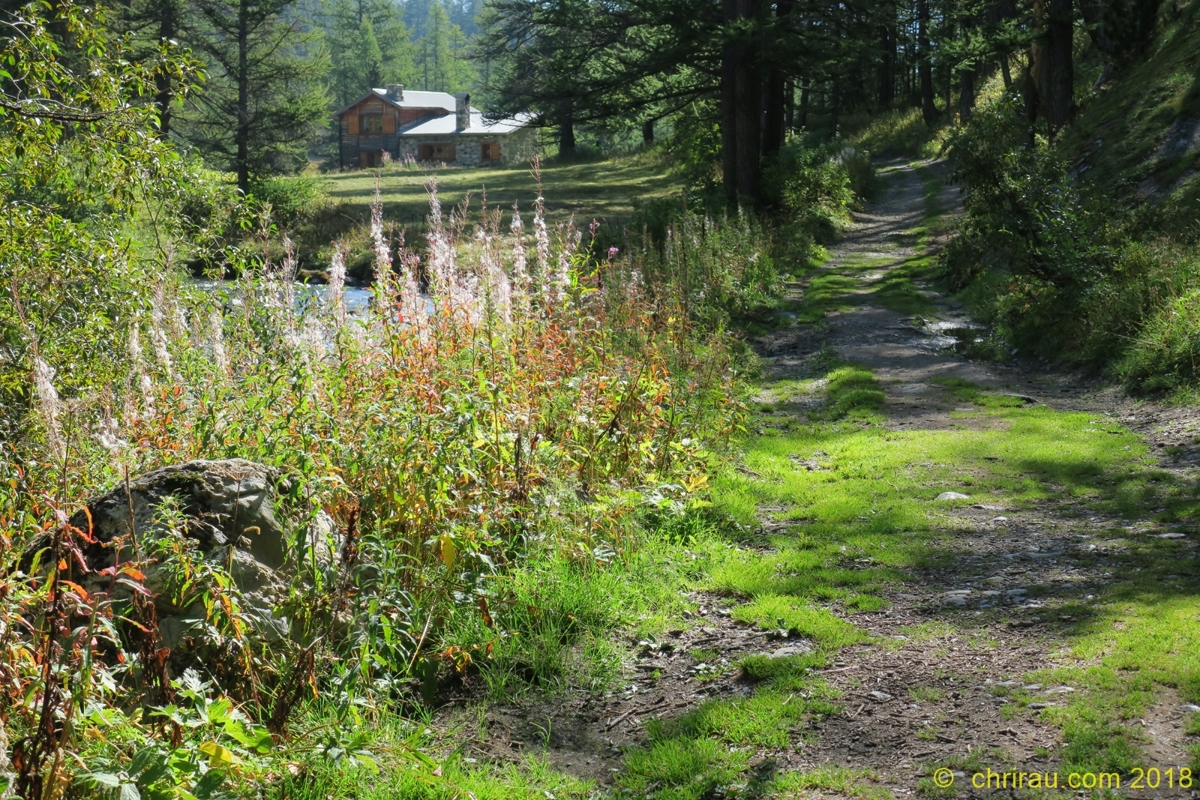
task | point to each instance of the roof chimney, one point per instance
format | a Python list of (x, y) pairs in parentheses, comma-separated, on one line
[(462, 111), (395, 91)]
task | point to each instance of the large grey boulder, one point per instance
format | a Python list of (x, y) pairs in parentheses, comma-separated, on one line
[(236, 515)]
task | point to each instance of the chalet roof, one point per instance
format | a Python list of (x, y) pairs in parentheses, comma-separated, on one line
[(444, 126), (412, 99)]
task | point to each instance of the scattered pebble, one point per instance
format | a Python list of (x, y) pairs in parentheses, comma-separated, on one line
[(1171, 536), (798, 649), (880, 697), (953, 496)]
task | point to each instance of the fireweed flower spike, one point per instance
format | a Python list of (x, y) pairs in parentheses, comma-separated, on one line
[(216, 333), (48, 405), (337, 283)]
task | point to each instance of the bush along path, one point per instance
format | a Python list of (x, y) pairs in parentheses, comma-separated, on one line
[(920, 569)]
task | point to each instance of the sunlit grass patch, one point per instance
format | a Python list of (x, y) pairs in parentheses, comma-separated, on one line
[(852, 392), (856, 783), (531, 779), (708, 749), (925, 694), (681, 768), (827, 290), (762, 667), (609, 190), (399, 759), (790, 614), (552, 628), (1144, 638), (900, 132), (765, 719), (967, 392), (898, 291)]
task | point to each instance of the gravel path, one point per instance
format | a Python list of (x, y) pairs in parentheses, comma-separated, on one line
[(1003, 629)]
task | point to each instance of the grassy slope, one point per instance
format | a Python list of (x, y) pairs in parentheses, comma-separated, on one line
[(1122, 125), (602, 189)]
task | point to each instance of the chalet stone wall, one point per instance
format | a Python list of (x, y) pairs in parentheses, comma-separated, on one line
[(517, 147), (520, 146)]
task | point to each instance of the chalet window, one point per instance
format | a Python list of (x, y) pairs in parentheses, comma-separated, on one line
[(371, 123), (436, 152), (489, 151)]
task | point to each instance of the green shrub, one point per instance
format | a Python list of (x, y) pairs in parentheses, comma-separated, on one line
[(902, 132), (864, 180), (1058, 270), (1166, 353), (813, 192), (294, 200), (1026, 217)]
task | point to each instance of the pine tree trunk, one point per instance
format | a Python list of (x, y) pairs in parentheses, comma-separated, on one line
[(242, 134), (748, 84), (741, 109), (789, 94), (966, 93), (729, 57), (805, 93), (1051, 63), (887, 67), (924, 68), (773, 116), (996, 14), (835, 98), (776, 85), (648, 132), (164, 94), (949, 84), (566, 135)]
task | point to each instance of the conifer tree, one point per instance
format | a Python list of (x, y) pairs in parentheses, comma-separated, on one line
[(441, 57), (264, 98), (369, 46)]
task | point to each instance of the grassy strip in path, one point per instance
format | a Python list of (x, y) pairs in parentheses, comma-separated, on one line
[(840, 287)]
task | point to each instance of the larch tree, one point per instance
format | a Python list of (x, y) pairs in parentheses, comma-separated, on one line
[(153, 26), (369, 45), (265, 97), (441, 54)]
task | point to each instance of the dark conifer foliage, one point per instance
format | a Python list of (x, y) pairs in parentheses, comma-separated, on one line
[(263, 98)]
